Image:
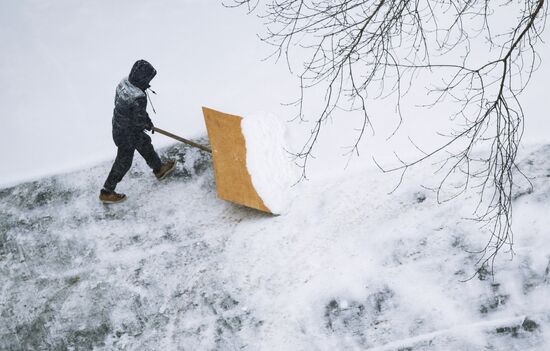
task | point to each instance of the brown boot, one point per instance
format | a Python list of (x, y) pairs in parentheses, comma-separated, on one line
[(110, 197), (166, 168)]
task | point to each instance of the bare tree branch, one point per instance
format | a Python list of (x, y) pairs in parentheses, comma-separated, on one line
[(361, 50)]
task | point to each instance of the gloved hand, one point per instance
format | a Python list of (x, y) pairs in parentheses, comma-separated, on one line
[(150, 127)]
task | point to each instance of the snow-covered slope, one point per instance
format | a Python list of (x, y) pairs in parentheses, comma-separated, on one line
[(349, 267)]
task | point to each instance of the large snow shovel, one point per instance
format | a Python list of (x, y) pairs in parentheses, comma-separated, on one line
[(233, 181)]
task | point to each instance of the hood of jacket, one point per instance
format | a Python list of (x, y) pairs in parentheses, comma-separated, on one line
[(141, 74)]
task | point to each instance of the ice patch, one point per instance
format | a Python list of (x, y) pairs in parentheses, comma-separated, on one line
[(267, 159)]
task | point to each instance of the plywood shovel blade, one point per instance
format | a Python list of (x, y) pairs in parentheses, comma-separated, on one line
[(233, 181)]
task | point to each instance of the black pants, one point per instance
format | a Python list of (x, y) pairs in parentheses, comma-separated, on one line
[(125, 156)]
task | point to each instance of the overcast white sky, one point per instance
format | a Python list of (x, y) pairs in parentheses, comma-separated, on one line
[(62, 59)]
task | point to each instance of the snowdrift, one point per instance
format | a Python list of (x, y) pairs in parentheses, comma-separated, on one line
[(348, 267)]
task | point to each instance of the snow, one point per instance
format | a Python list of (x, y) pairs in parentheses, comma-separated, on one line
[(347, 267), (268, 159), (125, 89)]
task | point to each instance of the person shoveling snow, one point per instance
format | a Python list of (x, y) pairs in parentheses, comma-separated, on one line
[(130, 120), (250, 165)]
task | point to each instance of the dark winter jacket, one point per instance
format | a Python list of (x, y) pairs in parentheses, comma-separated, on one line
[(130, 116)]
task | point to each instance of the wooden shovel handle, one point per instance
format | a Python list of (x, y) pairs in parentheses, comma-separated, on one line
[(183, 140)]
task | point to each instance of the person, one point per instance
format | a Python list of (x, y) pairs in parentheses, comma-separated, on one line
[(130, 120)]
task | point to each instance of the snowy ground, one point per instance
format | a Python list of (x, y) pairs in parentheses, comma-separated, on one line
[(349, 267)]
